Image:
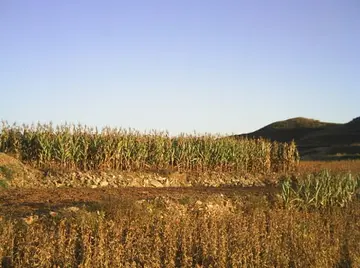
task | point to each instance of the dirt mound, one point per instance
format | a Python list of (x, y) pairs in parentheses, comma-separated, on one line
[(13, 173), (27, 201)]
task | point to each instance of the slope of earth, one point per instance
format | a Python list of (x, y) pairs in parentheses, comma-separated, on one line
[(336, 143), (23, 202), (15, 174)]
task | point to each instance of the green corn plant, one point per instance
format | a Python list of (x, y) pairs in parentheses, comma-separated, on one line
[(287, 192), (320, 190), (85, 148)]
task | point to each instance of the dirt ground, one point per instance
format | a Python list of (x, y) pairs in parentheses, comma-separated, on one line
[(20, 202)]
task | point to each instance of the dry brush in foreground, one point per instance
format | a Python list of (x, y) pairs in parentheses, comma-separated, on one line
[(163, 235)]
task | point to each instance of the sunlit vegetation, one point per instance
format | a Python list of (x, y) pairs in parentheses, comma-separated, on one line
[(320, 190), (311, 219), (85, 148), (174, 235)]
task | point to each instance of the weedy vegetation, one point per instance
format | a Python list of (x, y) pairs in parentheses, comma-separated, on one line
[(161, 236), (311, 220)]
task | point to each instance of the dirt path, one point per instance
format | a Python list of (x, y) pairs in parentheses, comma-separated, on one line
[(24, 201)]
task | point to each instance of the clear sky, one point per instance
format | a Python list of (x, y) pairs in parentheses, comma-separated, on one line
[(179, 65)]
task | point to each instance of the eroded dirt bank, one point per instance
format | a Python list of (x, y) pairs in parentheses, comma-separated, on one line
[(27, 201)]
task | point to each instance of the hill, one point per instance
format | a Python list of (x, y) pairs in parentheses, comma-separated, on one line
[(315, 139), (288, 130), (339, 142)]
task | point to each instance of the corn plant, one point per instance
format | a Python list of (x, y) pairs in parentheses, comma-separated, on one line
[(319, 190), (82, 147)]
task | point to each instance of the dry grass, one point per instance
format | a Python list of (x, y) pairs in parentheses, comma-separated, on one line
[(126, 235), (306, 167), (252, 232)]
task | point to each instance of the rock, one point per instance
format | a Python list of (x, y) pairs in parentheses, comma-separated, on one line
[(134, 183), (30, 220), (59, 184), (73, 209), (210, 207), (161, 179), (155, 183), (97, 181), (104, 183), (82, 180), (53, 213)]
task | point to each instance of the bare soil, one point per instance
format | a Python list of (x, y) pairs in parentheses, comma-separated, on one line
[(26, 201), (20, 202)]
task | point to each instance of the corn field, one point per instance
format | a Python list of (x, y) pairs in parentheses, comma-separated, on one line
[(86, 148)]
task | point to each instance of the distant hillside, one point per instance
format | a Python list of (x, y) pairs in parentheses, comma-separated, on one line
[(340, 141), (315, 139), (288, 130)]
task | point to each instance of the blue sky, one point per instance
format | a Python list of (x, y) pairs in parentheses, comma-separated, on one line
[(183, 66)]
